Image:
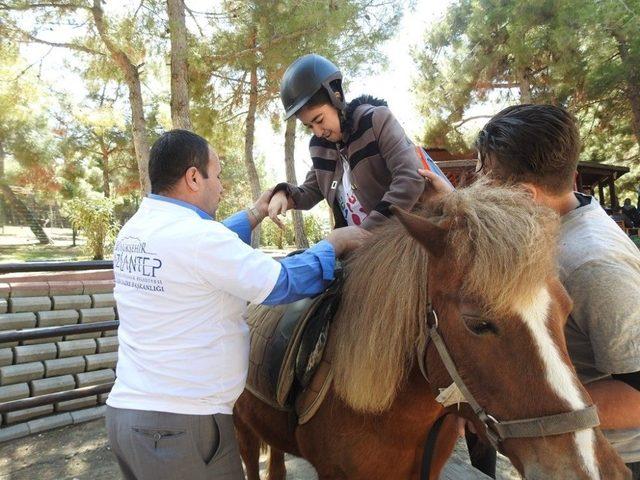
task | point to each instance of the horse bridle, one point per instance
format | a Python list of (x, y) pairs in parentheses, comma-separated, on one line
[(498, 431)]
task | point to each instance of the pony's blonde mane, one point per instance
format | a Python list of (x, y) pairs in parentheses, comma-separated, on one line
[(498, 237)]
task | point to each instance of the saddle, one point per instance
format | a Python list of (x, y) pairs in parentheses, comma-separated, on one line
[(287, 369)]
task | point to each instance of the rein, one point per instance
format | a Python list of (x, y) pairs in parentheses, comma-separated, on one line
[(497, 431)]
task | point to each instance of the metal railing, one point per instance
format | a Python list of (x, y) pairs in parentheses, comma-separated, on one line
[(30, 267), (49, 398), (45, 332)]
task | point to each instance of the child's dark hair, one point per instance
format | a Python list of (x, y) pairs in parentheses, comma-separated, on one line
[(321, 97)]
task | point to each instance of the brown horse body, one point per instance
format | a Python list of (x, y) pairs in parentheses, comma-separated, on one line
[(344, 444), (501, 310)]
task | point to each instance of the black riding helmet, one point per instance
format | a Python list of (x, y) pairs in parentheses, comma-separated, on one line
[(305, 77)]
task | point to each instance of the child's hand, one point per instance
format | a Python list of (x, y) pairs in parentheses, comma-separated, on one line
[(435, 186), (278, 206)]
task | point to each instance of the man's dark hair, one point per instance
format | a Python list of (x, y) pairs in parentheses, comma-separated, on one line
[(538, 144), (172, 155)]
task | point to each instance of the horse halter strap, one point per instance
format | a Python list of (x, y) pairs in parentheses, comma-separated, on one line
[(497, 431)]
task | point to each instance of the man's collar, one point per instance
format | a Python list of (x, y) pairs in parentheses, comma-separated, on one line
[(201, 213)]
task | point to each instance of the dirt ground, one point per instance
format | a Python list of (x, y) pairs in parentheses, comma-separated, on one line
[(81, 452)]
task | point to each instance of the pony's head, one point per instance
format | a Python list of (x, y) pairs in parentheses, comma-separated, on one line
[(492, 280), (493, 283)]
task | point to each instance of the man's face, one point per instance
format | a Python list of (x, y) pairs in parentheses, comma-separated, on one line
[(212, 187), (323, 121)]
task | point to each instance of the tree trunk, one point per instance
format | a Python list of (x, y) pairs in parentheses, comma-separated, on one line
[(289, 149), (3, 219), (104, 166), (633, 95), (2, 157), (525, 86), (632, 76), (132, 79), (179, 66), (252, 171)]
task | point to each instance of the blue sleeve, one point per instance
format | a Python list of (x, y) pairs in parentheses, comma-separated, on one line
[(304, 275), (239, 224)]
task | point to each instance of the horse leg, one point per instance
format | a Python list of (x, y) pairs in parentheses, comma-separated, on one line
[(277, 470), (249, 446)]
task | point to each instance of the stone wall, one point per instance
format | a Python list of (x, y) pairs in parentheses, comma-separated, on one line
[(37, 367)]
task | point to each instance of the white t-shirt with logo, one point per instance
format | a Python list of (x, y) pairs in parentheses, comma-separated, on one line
[(182, 287), (350, 207)]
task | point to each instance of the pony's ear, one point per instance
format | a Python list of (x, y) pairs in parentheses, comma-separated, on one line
[(432, 236)]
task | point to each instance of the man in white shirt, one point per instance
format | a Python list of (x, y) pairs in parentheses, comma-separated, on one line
[(183, 281)]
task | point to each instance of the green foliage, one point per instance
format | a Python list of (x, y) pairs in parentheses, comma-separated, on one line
[(94, 216), (25, 133), (584, 54), (269, 35), (237, 192), (97, 138)]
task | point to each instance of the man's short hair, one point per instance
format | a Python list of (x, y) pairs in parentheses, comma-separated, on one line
[(537, 144), (172, 155)]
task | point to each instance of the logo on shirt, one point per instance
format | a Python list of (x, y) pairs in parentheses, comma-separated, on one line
[(135, 266)]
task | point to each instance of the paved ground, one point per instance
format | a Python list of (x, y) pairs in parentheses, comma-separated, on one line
[(81, 452)]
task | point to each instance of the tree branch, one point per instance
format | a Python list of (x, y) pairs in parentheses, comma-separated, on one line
[(35, 6), (259, 48), (468, 119), (212, 14), (193, 17), (117, 54), (27, 68), (26, 37), (229, 79)]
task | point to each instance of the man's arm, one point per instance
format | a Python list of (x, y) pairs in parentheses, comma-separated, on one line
[(606, 298), (228, 264), (243, 222), (618, 404), (309, 273), (304, 275)]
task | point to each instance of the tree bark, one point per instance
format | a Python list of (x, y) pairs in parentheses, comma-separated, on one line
[(525, 86), (252, 171), (180, 116), (289, 149), (104, 166), (2, 157), (132, 79), (632, 77)]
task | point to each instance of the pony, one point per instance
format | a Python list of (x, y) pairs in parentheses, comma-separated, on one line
[(483, 258)]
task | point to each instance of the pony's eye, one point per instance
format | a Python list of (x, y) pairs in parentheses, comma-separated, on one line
[(479, 325)]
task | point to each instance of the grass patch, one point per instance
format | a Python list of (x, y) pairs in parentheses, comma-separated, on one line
[(41, 253)]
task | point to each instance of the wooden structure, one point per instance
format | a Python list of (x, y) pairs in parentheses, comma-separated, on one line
[(23, 212), (592, 175), (600, 175)]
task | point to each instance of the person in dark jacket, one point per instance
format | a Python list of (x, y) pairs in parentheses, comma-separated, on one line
[(631, 214), (363, 161)]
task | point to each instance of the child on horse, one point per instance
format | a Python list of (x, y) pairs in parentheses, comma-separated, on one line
[(363, 161)]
